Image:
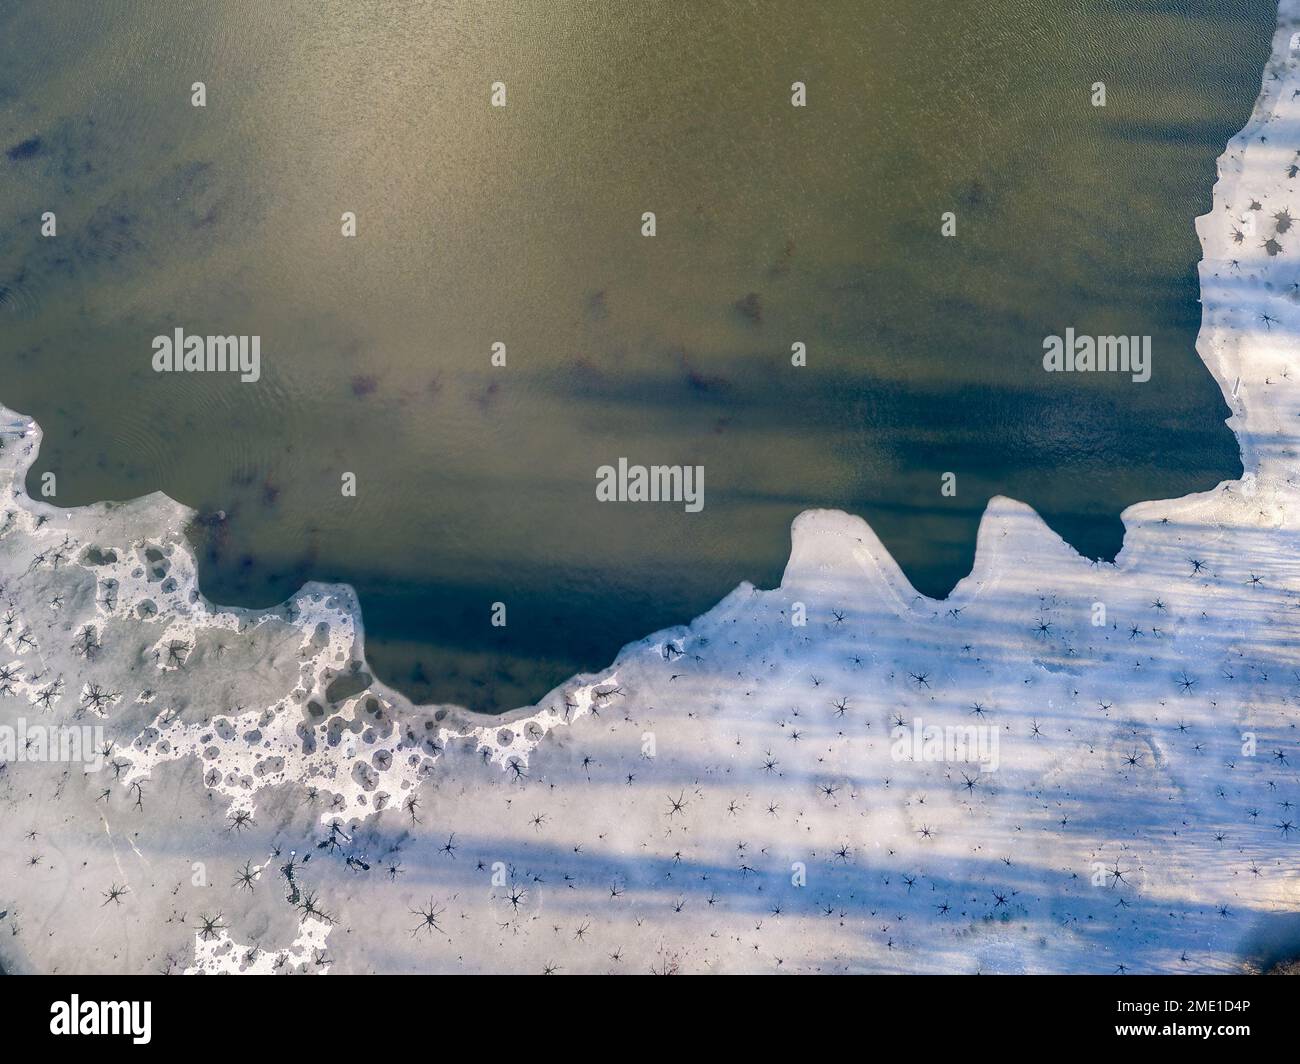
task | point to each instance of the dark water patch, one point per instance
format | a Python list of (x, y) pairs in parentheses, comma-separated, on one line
[(1272, 944), (25, 149), (98, 556), (347, 686)]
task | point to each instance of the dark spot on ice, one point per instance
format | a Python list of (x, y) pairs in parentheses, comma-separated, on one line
[(95, 556), (348, 686)]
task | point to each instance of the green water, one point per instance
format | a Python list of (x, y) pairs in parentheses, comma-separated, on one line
[(775, 224)]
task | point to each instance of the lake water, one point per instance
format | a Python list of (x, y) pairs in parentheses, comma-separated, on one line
[(523, 224)]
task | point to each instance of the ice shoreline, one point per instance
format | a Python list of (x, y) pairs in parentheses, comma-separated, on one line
[(768, 758)]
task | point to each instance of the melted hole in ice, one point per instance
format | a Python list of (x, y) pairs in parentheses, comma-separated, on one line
[(336, 726), (270, 766), (373, 735), (95, 556), (158, 563)]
